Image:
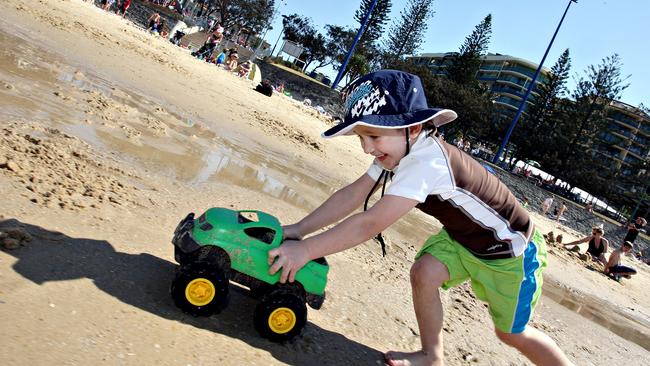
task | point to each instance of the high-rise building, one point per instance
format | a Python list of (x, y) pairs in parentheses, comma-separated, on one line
[(506, 76), (626, 141)]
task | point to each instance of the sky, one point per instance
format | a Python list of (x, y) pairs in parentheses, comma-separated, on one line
[(592, 30)]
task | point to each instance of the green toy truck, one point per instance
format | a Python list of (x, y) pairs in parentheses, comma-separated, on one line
[(224, 245)]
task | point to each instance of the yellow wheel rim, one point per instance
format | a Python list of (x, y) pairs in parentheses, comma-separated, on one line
[(200, 292), (282, 320)]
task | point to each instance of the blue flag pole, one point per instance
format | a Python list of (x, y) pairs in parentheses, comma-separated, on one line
[(364, 23)]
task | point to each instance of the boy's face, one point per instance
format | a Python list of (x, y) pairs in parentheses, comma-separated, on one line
[(388, 146)]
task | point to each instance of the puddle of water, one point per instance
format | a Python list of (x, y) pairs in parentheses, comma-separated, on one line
[(205, 157), (627, 326)]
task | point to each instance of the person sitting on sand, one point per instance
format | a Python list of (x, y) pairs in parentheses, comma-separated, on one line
[(487, 237), (231, 63), (221, 58), (613, 268), (152, 22), (280, 87), (161, 29), (245, 69), (598, 245)]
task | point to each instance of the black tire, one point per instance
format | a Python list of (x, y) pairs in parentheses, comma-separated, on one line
[(182, 258), (280, 316), (200, 289)]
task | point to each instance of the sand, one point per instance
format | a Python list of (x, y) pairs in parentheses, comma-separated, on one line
[(110, 135)]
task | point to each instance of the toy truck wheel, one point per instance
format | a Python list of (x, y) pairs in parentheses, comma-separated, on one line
[(200, 289), (279, 316), (180, 257)]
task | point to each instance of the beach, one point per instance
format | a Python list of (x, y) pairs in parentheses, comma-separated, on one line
[(110, 135)]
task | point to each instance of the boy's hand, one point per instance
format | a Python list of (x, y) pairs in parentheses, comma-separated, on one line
[(291, 232), (291, 256)]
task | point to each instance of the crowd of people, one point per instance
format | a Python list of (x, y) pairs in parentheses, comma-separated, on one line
[(121, 6), (477, 149), (228, 58)]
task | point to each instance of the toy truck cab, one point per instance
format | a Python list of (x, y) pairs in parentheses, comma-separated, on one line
[(225, 245)]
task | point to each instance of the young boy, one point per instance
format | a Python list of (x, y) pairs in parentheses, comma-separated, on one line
[(614, 269), (487, 236)]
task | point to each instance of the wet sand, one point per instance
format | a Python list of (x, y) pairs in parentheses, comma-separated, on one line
[(114, 135)]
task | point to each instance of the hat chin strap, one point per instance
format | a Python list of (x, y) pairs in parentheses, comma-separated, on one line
[(408, 142), (385, 175)]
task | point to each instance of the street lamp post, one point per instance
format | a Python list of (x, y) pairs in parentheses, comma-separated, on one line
[(268, 27), (531, 86), (276, 42)]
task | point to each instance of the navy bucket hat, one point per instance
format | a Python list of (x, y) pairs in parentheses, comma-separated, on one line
[(387, 99)]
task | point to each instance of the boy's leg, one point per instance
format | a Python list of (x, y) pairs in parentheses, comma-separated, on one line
[(427, 276), (622, 270), (537, 346), (512, 288)]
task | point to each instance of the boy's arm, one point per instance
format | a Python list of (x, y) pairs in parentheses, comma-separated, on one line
[(293, 255), (613, 260), (337, 206)]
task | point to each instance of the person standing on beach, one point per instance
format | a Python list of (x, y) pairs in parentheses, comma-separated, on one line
[(546, 205), (487, 237), (124, 6), (634, 228), (106, 4), (560, 211)]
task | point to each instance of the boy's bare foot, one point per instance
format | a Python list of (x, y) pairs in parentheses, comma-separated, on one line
[(419, 358)]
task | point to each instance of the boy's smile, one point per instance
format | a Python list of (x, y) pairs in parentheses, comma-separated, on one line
[(387, 145)]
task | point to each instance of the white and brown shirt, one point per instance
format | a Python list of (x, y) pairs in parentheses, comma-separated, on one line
[(475, 208)]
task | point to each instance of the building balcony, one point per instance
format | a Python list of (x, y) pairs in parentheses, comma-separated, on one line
[(622, 133), (518, 93), (508, 105)]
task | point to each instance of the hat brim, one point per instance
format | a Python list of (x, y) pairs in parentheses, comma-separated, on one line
[(439, 117)]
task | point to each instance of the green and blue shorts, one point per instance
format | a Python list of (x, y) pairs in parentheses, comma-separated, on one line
[(511, 286)]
